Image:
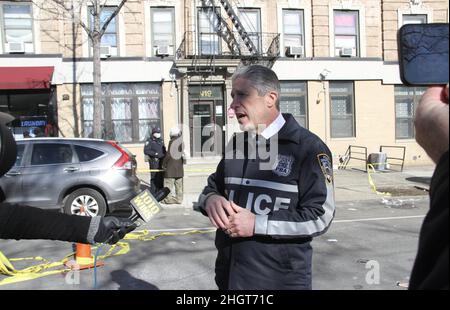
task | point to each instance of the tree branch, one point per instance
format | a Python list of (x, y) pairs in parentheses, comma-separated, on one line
[(110, 18)]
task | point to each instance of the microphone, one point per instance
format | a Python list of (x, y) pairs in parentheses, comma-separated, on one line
[(161, 194), (146, 205)]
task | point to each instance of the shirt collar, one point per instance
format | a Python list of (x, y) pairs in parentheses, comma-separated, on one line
[(274, 127)]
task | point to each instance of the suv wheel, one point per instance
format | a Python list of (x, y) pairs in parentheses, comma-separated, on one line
[(85, 201)]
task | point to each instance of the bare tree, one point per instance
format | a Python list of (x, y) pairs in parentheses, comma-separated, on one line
[(71, 10)]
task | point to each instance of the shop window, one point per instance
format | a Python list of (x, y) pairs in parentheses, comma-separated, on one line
[(129, 110)]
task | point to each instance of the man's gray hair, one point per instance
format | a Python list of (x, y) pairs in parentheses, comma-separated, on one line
[(262, 78)]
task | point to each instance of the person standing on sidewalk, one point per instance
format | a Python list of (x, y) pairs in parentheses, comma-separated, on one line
[(267, 215), (173, 168), (155, 150), (430, 270)]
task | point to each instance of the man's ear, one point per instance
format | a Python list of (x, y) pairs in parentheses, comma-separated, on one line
[(272, 98)]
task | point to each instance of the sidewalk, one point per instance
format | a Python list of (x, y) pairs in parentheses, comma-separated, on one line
[(354, 185), (350, 184)]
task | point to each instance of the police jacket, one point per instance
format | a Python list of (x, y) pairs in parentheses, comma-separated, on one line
[(292, 195), (155, 148)]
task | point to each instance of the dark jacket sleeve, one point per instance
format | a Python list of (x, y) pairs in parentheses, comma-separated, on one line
[(21, 222), (215, 186), (430, 270), (316, 206)]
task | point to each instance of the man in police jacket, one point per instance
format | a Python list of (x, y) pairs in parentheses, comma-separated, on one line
[(267, 217)]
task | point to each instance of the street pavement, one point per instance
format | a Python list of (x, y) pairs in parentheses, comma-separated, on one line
[(371, 244)]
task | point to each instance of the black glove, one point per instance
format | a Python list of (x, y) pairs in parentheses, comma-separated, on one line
[(109, 229)]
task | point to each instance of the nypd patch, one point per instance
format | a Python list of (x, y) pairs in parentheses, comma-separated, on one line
[(325, 165), (283, 165)]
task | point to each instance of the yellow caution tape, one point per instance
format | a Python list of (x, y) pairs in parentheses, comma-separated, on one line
[(143, 234), (211, 170), (43, 269), (372, 184), (30, 273)]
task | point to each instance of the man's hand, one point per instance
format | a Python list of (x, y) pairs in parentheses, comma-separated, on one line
[(242, 223), (111, 229), (218, 210), (432, 122)]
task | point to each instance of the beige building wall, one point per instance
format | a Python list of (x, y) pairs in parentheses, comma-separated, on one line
[(317, 107), (374, 120), (69, 110), (375, 104), (392, 12), (320, 28), (135, 25)]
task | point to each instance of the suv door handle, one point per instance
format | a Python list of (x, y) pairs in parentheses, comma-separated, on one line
[(13, 173), (71, 169)]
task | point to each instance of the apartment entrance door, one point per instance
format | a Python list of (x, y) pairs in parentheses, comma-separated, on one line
[(206, 120)]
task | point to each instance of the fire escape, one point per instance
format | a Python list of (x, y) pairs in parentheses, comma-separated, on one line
[(240, 45)]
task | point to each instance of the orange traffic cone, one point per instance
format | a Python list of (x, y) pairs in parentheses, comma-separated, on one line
[(83, 258)]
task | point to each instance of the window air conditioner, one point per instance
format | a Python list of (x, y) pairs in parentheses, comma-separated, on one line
[(15, 47), (105, 51), (296, 51), (347, 52), (163, 50)]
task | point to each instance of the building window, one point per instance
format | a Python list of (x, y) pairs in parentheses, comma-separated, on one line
[(208, 27), (109, 41), (406, 99), (342, 110), (132, 109), (414, 19), (17, 26), (293, 30), (293, 101), (346, 33), (163, 31), (251, 21)]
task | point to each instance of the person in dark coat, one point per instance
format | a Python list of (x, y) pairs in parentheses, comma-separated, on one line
[(155, 150), (173, 168), (430, 270)]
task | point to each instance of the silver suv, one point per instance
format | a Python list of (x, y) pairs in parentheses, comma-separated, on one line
[(82, 176)]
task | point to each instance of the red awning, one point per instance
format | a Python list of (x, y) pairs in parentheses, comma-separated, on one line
[(25, 77)]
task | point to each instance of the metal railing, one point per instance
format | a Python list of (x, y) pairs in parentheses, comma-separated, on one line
[(354, 152), (206, 45), (395, 161)]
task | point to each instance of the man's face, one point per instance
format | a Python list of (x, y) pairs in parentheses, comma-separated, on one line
[(249, 108)]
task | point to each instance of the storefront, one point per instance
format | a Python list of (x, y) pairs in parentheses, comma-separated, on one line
[(27, 94), (130, 110)]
